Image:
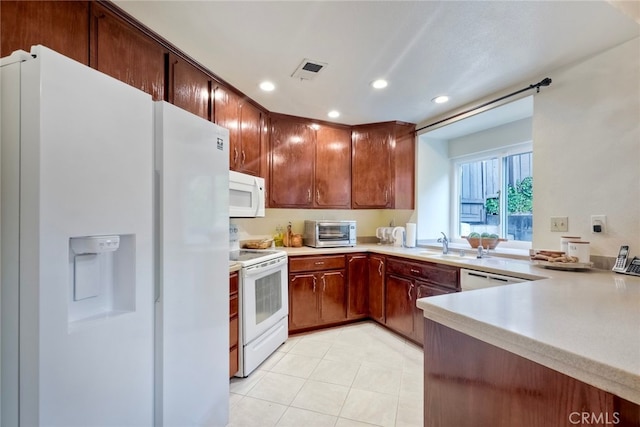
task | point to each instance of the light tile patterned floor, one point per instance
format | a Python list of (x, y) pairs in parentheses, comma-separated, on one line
[(359, 375)]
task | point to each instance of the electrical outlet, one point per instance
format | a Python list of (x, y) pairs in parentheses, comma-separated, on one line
[(559, 223), (598, 224)]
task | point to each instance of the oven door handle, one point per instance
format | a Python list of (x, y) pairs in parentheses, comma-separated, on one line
[(265, 267)]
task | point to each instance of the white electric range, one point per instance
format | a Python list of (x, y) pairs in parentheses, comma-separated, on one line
[(263, 305)]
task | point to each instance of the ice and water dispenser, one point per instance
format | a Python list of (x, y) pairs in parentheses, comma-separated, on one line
[(102, 276)]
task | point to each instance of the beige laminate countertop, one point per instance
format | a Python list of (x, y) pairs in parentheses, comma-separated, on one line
[(585, 324)]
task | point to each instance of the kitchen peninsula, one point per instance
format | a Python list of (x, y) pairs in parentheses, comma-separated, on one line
[(562, 346)]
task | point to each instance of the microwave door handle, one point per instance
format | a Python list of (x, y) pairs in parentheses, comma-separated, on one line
[(256, 194)]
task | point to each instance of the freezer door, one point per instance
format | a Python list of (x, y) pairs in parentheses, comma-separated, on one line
[(85, 168)]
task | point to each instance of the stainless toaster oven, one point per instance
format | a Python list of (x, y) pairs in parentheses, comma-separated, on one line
[(329, 234)]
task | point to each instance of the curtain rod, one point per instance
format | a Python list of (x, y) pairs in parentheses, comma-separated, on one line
[(544, 82)]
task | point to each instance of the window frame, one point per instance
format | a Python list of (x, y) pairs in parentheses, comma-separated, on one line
[(455, 175)]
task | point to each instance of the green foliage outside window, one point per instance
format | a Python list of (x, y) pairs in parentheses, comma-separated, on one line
[(519, 198)]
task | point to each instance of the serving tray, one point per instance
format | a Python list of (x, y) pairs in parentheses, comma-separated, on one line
[(567, 266)]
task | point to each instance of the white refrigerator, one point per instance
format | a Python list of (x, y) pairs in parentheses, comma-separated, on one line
[(113, 282)]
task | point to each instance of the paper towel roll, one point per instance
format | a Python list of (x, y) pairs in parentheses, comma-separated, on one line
[(411, 235)]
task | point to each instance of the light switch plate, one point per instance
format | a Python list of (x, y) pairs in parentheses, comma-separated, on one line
[(559, 223)]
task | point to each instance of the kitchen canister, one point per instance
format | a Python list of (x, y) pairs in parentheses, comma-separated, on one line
[(581, 250), (564, 242), (410, 237)]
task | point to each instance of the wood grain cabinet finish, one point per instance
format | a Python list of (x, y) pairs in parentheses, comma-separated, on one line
[(59, 25), (233, 323), (332, 183), (468, 382), (310, 164), (245, 123), (317, 291), (371, 162), (189, 87), (400, 297), (125, 53), (377, 272), (383, 166), (292, 150), (406, 281), (358, 289)]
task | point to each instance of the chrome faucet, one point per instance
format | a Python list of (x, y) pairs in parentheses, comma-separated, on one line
[(481, 252), (445, 243)]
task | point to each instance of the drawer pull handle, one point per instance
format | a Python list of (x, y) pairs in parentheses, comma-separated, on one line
[(319, 262), (415, 271)]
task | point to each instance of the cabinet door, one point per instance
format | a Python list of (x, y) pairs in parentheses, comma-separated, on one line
[(292, 154), (333, 168), (404, 155), (371, 173), (189, 88), (423, 290), (333, 296), (226, 109), (399, 304), (376, 287), (60, 25), (358, 289), (250, 126), (123, 52), (303, 301)]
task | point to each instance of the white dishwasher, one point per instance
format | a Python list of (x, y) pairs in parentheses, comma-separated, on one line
[(471, 279)]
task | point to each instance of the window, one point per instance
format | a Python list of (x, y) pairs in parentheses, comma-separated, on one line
[(494, 193)]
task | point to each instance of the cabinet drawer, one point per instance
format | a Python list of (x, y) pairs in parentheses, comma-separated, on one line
[(316, 263), (233, 332), (233, 306), (233, 283), (442, 275)]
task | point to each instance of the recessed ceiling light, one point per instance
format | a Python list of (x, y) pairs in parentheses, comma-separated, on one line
[(379, 84), (333, 114), (267, 86), (440, 99)]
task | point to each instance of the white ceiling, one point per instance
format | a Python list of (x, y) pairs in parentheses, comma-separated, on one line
[(466, 49)]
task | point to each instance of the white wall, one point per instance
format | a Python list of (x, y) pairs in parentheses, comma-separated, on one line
[(586, 152), (512, 133), (432, 188)]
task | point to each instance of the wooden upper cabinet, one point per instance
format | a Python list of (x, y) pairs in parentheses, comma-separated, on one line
[(292, 167), (333, 167), (126, 53), (245, 124), (371, 174), (404, 159), (59, 25), (383, 166), (189, 87), (226, 108), (250, 138), (310, 164)]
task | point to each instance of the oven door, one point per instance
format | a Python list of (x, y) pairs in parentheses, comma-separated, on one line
[(264, 297)]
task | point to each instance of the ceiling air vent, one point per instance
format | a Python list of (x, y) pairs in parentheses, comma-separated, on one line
[(308, 69)]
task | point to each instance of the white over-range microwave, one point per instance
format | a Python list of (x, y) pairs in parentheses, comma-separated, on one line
[(246, 195)]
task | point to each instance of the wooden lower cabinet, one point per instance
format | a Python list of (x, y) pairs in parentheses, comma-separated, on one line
[(408, 280), (468, 382), (358, 289), (399, 302), (317, 291), (233, 323), (376, 287)]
